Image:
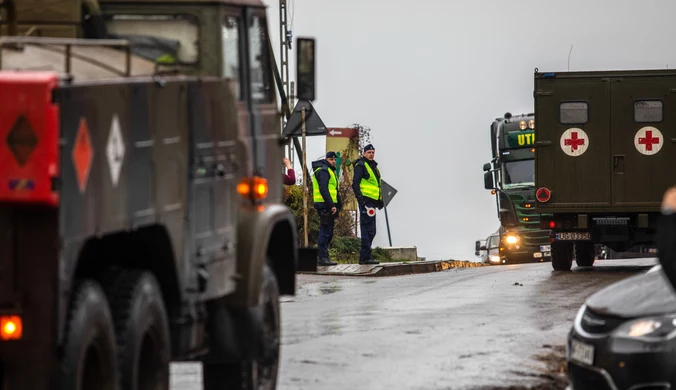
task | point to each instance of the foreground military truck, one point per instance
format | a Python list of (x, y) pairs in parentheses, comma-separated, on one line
[(512, 171), (603, 158), (140, 209)]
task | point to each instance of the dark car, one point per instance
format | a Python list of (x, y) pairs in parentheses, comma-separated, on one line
[(624, 336)]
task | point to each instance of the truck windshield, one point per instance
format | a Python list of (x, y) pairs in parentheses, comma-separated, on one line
[(518, 174), (168, 39)]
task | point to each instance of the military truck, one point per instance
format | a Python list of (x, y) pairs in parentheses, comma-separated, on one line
[(602, 160), (140, 206), (511, 170)]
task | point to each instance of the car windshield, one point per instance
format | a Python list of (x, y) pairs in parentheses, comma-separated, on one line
[(492, 242), (518, 174), (167, 39)]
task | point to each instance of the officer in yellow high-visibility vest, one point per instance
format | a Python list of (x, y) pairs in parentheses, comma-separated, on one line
[(327, 202), (367, 188)]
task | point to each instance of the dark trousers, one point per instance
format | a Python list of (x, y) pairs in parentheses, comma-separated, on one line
[(326, 223), (368, 233)]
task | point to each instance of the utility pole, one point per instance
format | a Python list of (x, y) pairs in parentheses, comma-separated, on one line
[(285, 39)]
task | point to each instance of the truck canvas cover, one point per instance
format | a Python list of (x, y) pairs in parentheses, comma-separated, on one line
[(606, 141)]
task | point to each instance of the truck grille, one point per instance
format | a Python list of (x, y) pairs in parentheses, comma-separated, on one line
[(594, 323), (585, 379), (529, 219)]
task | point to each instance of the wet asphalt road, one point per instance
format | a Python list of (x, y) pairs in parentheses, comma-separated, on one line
[(458, 329)]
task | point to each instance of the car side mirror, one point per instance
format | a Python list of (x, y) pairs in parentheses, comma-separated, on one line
[(487, 167), (488, 181)]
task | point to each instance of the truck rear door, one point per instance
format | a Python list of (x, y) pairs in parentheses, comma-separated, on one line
[(643, 120), (572, 154)]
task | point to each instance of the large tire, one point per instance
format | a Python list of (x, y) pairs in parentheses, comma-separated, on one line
[(584, 254), (562, 256), (89, 355), (261, 374), (142, 329)]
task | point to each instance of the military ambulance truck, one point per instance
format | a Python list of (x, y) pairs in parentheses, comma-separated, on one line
[(140, 195), (603, 158)]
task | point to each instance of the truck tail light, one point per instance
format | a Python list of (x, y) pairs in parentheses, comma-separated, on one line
[(29, 138), (552, 224), (11, 327), (253, 188)]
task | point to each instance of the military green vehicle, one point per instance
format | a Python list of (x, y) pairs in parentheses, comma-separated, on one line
[(602, 160), (140, 195), (512, 170)]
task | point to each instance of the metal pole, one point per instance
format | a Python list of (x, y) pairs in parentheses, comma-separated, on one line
[(305, 186), (387, 222)]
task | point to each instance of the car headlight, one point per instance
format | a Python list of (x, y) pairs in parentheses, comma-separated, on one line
[(511, 239), (657, 328)]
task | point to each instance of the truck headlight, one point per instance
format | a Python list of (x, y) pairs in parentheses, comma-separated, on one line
[(511, 239), (495, 259), (655, 328)]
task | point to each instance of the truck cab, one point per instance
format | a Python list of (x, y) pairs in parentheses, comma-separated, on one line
[(510, 174)]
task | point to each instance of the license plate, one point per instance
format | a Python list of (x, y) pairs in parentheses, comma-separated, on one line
[(547, 254), (573, 236), (537, 254), (582, 352), (545, 248)]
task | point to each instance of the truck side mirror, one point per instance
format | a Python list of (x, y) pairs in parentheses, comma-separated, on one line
[(487, 167), (488, 181), (305, 68)]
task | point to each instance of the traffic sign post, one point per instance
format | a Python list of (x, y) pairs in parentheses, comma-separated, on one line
[(388, 193)]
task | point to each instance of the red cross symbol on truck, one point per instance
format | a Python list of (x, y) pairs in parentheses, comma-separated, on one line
[(649, 141), (574, 142)]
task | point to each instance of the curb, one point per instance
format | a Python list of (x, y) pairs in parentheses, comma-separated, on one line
[(393, 269)]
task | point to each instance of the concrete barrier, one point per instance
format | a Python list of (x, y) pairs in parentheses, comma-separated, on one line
[(403, 253), (394, 269)]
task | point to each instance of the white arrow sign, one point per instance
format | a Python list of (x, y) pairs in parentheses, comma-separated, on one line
[(333, 132)]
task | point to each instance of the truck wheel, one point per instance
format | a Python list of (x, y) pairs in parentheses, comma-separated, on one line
[(89, 355), (584, 254), (562, 256), (261, 374), (142, 330)]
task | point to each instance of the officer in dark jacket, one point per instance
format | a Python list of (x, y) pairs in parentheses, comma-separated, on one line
[(367, 188), (327, 202)]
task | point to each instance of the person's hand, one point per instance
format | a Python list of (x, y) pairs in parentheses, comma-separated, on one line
[(669, 199), (287, 163), (333, 210)]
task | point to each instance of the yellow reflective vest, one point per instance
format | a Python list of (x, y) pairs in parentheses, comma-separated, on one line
[(370, 187), (333, 186)]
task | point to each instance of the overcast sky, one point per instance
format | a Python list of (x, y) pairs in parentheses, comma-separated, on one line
[(429, 76)]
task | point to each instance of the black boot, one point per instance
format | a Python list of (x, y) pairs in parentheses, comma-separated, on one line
[(325, 262), (369, 262)]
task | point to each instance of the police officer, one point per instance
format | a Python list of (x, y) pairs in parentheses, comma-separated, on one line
[(327, 202), (367, 189)]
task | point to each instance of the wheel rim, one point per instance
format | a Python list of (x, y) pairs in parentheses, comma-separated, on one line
[(96, 370)]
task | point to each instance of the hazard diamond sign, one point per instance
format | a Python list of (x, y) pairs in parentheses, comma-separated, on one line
[(648, 140), (574, 142)]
